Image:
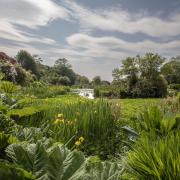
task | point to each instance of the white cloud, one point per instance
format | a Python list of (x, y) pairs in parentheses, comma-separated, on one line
[(10, 32), (114, 44), (100, 54), (121, 20), (31, 14)]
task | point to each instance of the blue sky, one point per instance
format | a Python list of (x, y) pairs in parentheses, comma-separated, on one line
[(94, 35)]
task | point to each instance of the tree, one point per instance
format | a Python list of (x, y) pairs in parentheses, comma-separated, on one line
[(149, 65), (96, 80), (105, 83), (128, 71), (37, 59), (82, 80), (64, 69), (116, 74), (171, 70), (27, 62), (141, 76), (64, 80)]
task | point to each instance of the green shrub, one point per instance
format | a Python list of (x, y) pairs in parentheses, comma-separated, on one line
[(41, 90), (175, 87), (106, 91), (16, 74)]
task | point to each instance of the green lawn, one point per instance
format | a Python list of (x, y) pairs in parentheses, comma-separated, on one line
[(131, 107)]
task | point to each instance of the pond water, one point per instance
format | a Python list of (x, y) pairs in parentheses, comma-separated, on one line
[(87, 93)]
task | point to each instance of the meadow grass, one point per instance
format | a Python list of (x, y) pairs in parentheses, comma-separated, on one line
[(130, 107)]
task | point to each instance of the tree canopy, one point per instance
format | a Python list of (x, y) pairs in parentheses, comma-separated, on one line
[(141, 76)]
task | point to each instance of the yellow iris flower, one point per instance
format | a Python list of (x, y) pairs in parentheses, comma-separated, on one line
[(77, 143)]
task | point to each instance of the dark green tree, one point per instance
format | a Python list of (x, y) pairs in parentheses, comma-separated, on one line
[(171, 70), (149, 65), (82, 80), (96, 80), (27, 62), (141, 76), (63, 69)]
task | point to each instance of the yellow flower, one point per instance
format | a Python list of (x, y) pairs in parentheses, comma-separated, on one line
[(77, 143), (81, 139), (60, 115), (61, 121), (69, 122), (56, 121)]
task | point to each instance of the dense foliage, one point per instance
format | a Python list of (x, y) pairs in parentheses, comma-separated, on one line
[(48, 133), (141, 76)]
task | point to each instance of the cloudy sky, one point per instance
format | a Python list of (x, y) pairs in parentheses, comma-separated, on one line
[(94, 35)]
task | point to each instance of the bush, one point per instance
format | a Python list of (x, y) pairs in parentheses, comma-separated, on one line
[(106, 91), (16, 74), (42, 90), (175, 87)]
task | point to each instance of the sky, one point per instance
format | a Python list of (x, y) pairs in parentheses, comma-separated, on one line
[(94, 35)]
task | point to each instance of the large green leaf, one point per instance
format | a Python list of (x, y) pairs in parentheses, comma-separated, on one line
[(101, 171), (55, 163)]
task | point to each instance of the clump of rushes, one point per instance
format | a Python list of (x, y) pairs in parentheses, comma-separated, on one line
[(62, 127), (93, 120), (155, 159)]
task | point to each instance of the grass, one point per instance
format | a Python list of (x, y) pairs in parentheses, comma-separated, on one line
[(134, 106)]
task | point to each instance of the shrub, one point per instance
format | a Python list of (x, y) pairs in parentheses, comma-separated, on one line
[(175, 87), (42, 90), (15, 73)]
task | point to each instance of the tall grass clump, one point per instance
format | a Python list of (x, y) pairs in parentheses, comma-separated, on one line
[(94, 121), (155, 160), (155, 156), (88, 125)]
